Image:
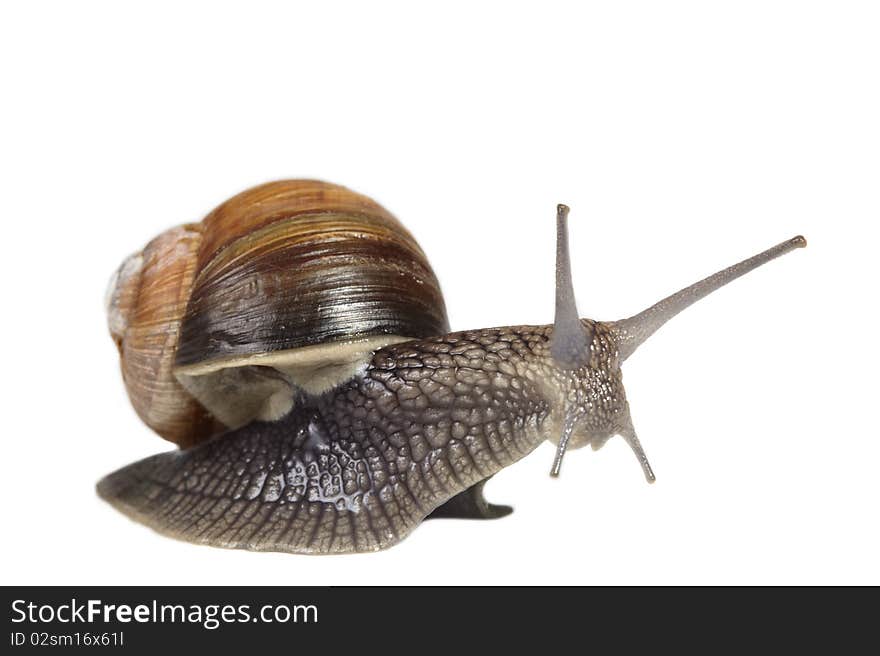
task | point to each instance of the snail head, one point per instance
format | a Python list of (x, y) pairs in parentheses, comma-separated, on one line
[(585, 355)]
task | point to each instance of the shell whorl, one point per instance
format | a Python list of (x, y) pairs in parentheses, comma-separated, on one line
[(297, 263), (207, 310), (145, 305)]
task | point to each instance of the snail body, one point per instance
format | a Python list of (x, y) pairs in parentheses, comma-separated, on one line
[(329, 410)]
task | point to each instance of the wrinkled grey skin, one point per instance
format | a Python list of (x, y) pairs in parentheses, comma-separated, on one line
[(359, 467)]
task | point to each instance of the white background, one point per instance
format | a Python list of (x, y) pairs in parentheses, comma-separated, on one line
[(684, 135)]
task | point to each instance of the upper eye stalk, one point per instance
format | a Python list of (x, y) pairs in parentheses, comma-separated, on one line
[(570, 344)]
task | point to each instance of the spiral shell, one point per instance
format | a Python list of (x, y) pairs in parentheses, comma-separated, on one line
[(285, 287), (145, 306)]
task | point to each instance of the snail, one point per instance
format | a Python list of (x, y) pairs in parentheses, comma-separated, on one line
[(295, 346)]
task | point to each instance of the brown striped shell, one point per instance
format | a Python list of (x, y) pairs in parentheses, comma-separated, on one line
[(287, 286)]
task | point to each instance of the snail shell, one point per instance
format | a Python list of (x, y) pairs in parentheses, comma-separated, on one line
[(289, 285)]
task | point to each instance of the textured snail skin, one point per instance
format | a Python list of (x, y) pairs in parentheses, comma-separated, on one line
[(358, 468)]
